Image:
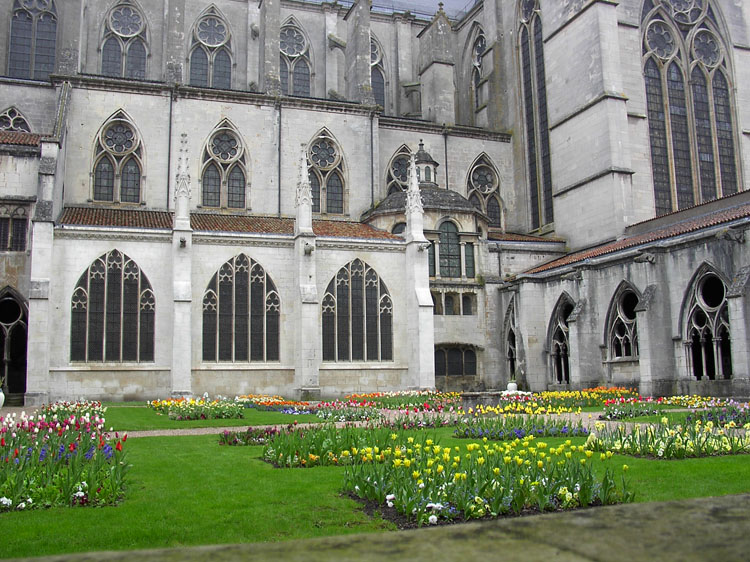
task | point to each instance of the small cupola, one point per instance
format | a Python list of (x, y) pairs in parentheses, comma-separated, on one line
[(426, 167)]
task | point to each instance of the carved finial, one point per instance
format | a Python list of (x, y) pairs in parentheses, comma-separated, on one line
[(182, 183), (304, 191), (413, 195)]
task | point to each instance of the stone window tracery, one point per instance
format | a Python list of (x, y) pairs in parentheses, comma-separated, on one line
[(450, 250), (224, 178), (33, 39), (623, 327), (118, 162), (397, 178), (534, 96), (294, 68), (12, 120), (211, 52), (483, 187), (377, 73), (112, 312), (123, 47), (692, 130), (357, 314), (511, 348), (559, 343), (326, 172), (708, 341), (477, 51), (241, 312)]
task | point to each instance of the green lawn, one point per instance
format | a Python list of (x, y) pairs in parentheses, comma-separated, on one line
[(188, 490), (138, 418)]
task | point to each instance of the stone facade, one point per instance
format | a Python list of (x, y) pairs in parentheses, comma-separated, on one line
[(449, 200)]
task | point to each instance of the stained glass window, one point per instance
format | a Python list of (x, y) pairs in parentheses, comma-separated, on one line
[(112, 312), (13, 228), (534, 95), (33, 38), (357, 313), (450, 251), (483, 186), (118, 166), (124, 46), (326, 172), (397, 178), (691, 131), (211, 55), (377, 73), (241, 309), (224, 180), (294, 61)]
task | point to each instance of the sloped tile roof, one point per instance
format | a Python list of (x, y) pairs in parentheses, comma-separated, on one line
[(128, 218), (684, 227), (513, 237), (19, 138), (207, 222)]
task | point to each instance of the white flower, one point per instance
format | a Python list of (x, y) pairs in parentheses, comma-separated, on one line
[(390, 504), (7, 502), (390, 497), (432, 519), (21, 506)]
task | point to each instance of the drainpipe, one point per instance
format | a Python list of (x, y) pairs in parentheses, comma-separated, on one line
[(372, 160), (169, 143), (278, 107), (445, 151)]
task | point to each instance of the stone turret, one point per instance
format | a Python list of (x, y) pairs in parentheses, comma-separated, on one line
[(426, 167), (358, 77), (436, 70)]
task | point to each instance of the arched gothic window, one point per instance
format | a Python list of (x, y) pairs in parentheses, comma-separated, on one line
[(377, 73), (477, 51), (13, 340), (112, 312), (559, 343), (450, 250), (294, 68), (688, 79), (118, 162), (14, 222), (33, 39), (511, 348), (12, 120), (326, 171), (224, 177), (211, 52), (357, 316), (623, 328), (534, 96), (241, 311), (483, 186), (707, 337), (397, 178), (124, 42)]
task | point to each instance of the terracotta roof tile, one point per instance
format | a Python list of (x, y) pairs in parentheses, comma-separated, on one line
[(513, 237), (206, 222), (128, 218), (684, 227), (19, 138)]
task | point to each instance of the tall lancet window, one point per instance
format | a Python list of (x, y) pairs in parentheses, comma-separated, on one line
[(326, 170), (397, 177), (118, 161), (534, 97), (377, 73), (33, 38), (477, 51), (691, 119), (224, 172), (211, 52), (294, 64), (124, 43)]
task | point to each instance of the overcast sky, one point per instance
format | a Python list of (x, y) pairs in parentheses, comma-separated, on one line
[(451, 7)]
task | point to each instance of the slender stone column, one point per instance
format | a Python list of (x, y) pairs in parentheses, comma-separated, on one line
[(270, 27), (420, 328), (182, 246), (307, 335)]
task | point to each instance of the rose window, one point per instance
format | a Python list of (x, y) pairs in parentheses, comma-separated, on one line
[(323, 153), (225, 146), (660, 40), (527, 9), (292, 42), (400, 168), (686, 11), (483, 179), (119, 138), (126, 21), (212, 31), (707, 48)]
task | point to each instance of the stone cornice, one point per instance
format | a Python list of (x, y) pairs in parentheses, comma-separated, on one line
[(387, 122)]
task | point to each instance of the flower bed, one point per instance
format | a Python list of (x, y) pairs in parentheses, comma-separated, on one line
[(326, 445), (64, 409), (633, 408), (432, 483), (517, 427), (669, 442), (348, 410), (251, 436), (64, 461), (732, 415), (413, 401), (274, 403), (198, 409)]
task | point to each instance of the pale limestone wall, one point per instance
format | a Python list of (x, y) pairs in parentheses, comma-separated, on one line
[(19, 175), (89, 109), (37, 103)]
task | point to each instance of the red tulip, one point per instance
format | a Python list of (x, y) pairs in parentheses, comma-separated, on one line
[(118, 446)]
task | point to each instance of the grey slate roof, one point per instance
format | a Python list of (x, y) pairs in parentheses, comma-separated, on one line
[(433, 198)]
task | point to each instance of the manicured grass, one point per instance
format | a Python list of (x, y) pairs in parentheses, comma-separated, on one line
[(139, 418), (673, 417), (188, 490)]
